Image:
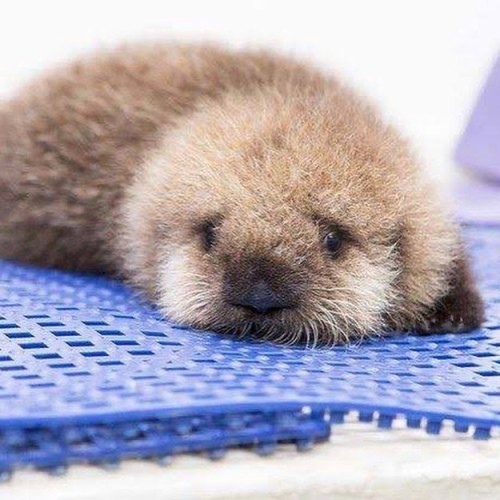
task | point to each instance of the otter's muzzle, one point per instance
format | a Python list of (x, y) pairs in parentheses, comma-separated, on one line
[(259, 286), (261, 299)]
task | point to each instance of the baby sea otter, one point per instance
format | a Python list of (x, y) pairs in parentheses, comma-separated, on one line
[(242, 192)]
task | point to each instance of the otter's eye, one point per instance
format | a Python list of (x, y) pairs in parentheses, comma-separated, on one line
[(209, 236), (333, 243)]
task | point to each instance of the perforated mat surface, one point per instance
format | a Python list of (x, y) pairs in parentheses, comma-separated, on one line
[(87, 373)]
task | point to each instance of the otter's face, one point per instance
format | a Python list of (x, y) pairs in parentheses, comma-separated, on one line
[(282, 231), (275, 270)]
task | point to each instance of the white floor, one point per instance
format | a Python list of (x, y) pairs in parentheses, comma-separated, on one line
[(360, 462)]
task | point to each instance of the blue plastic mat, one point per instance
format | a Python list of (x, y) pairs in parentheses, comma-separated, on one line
[(87, 373)]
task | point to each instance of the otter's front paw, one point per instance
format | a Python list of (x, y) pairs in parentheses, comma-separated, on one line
[(454, 316), (460, 310)]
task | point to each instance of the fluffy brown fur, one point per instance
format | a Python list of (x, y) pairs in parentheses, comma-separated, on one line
[(203, 176)]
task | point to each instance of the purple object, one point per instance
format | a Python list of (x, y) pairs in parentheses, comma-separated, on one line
[(479, 147), (477, 202)]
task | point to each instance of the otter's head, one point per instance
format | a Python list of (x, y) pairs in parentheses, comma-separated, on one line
[(294, 219)]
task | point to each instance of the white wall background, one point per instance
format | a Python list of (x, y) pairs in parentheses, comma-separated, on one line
[(423, 61)]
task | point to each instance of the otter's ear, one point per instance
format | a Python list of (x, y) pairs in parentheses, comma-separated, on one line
[(462, 308)]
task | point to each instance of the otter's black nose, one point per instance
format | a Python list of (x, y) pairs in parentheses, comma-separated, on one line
[(261, 299)]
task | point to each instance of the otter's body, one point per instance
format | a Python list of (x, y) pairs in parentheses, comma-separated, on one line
[(239, 191), (71, 142)]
